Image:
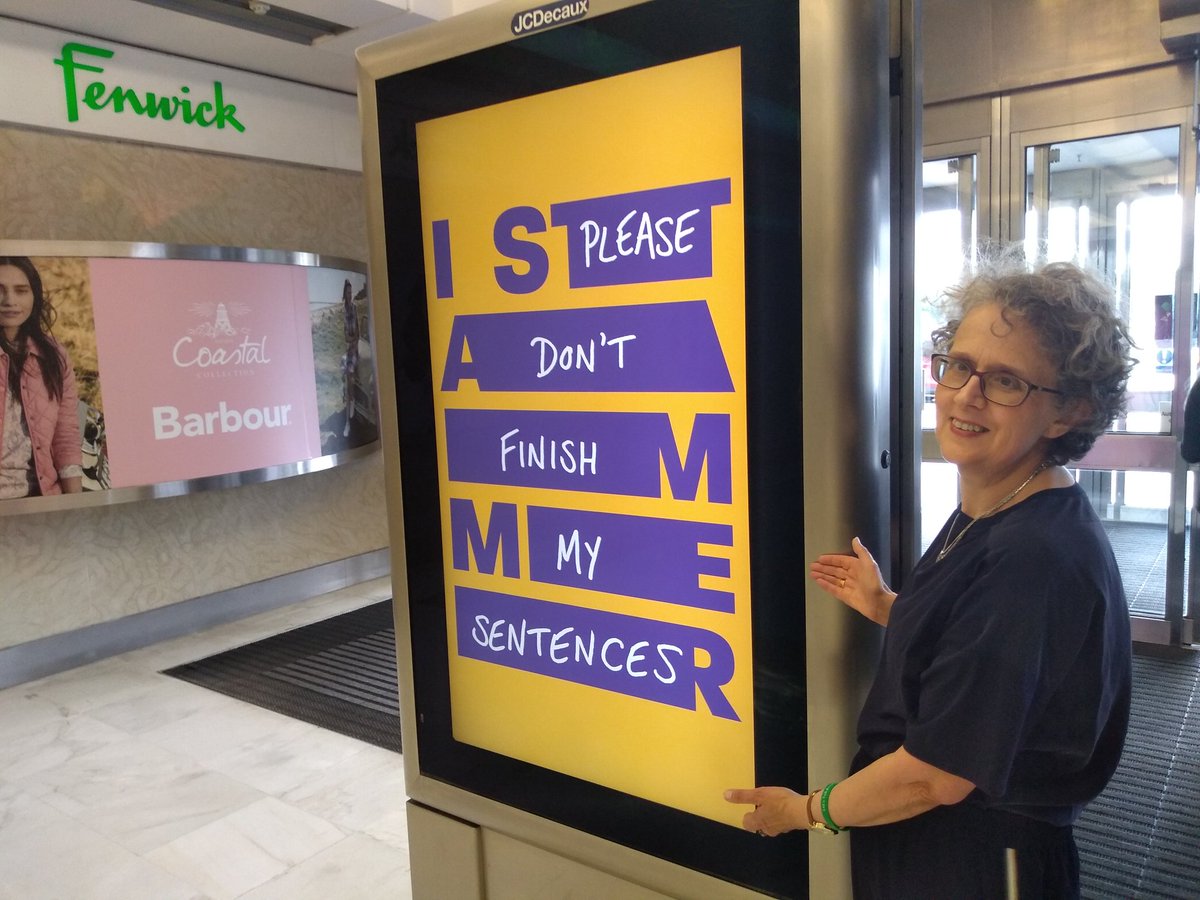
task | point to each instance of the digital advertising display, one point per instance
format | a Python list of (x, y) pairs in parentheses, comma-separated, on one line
[(592, 257), (182, 369), (589, 356)]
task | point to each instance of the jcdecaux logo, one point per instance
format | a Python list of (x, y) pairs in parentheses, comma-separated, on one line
[(96, 95), (547, 16)]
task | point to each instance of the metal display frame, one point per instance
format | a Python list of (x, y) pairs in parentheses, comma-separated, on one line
[(829, 315)]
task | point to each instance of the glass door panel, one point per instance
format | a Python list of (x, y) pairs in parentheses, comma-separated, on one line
[(1113, 204), (947, 236), (1190, 614)]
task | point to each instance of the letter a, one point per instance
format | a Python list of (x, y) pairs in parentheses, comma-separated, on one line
[(459, 364)]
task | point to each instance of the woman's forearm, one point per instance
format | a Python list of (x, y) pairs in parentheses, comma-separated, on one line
[(895, 787)]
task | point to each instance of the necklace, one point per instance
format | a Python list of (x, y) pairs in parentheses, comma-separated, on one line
[(948, 545)]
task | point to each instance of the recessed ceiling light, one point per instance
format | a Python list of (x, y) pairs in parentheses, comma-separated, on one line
[(257, 16)]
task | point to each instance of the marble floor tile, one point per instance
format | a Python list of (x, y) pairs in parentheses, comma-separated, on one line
[(247, 848), (221, 726), (30, 747), (357, 868), (162, 703), (283, 761), (141, 795), (391, 828), (47, 854), (21, 707), (23, 712), (356, 798), (98, 684), (151, 788)]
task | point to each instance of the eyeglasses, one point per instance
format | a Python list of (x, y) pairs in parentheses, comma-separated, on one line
[(999, 387)]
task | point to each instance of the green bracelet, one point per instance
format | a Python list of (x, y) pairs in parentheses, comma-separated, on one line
[(834, 826)]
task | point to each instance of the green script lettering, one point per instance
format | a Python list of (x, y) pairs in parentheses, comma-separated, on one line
[(70, 64), (225, 111), (97, 96)]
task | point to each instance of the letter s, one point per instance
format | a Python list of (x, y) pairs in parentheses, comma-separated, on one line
[(531, 253), (479, 633), (669, 676)]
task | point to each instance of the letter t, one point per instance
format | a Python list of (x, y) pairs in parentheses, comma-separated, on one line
[(69, 65)]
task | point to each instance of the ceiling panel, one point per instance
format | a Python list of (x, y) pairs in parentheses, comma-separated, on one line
[(328, 63)]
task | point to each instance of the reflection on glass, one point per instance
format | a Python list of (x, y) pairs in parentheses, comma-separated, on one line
[(939, 498), (946, 241), (1132, 505), (1112, 203), (946, 236)]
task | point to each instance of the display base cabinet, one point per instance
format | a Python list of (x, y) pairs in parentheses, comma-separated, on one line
[(445, 854), (456, 860)]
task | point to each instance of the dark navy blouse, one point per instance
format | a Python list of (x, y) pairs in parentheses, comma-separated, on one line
[(1008, 662)]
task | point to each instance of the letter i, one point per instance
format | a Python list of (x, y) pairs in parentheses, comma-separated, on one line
[(442, 274), (185, 106)]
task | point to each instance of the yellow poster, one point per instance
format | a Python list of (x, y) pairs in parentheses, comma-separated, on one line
[(585, 263)]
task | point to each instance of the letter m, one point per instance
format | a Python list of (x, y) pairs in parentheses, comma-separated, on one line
[(709, 444), (467, 538)]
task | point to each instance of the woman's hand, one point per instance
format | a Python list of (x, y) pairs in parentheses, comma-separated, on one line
[(776, 809), (895, 787), (856, 581)]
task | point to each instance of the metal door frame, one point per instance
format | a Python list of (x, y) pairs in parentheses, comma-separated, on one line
[(981, 149)]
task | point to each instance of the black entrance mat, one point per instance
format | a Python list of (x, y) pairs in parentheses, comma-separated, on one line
[(1139, 838), (339, 674)]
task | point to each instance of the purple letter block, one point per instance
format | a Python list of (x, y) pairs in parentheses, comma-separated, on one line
[(635, 556), (663, 234), (649, 347), (643, 658), (596, 452)]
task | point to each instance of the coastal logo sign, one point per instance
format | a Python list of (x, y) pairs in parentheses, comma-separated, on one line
[(98, 96), (227, 381), (216, 347), (547, 16)]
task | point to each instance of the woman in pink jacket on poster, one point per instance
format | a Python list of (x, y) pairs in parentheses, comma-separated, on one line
[(40, 448)]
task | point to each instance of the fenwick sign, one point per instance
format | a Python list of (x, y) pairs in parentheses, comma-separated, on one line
[(97, 95)]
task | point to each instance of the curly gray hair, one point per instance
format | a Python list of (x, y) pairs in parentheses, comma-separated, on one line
[(1073, 315)]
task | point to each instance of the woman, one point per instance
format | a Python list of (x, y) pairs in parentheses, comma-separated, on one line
[(1002, 696), (350, 357), (40, 447)]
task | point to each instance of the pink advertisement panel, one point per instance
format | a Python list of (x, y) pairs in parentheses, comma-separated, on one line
[(207, 367)]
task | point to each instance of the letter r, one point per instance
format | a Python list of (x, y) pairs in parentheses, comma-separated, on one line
[(69, 65)]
